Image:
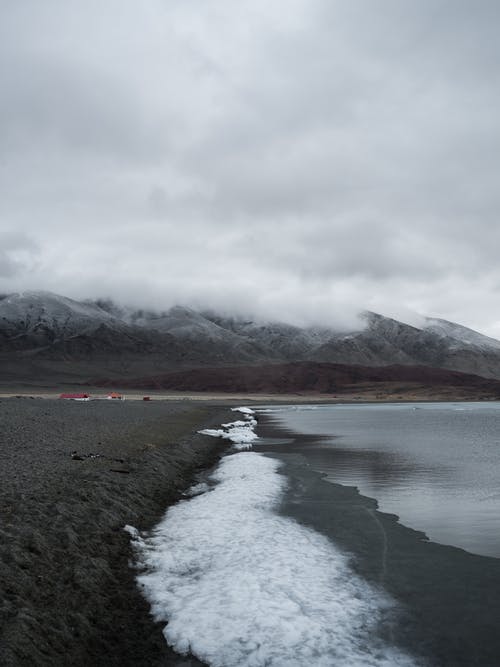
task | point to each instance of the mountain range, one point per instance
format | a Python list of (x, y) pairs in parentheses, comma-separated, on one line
[(48, 337)]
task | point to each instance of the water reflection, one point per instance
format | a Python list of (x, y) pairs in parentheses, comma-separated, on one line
[(435, 466)]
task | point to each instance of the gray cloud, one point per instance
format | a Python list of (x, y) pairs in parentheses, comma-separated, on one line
[(299, 159), (18, 255)]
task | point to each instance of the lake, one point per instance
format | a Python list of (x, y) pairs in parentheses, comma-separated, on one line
[(434, 465), (278, 555)]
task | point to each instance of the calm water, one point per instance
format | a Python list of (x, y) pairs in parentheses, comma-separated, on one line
[(437, 466)]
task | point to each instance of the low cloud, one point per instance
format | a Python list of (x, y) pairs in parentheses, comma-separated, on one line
[(18, 255), (297, 160)]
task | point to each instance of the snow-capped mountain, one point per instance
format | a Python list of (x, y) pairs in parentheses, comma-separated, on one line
[(45, 324), (437, 343), (462, 335), (47, 317)]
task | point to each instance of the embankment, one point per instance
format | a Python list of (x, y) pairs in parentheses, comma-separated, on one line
[(71, 476)]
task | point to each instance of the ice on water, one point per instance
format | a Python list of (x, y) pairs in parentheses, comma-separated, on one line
[(240, 432), (240, 585)]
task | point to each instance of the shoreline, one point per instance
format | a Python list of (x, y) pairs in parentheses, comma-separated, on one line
[(447, 607), (68, 594), (72, 475), (230, 399)]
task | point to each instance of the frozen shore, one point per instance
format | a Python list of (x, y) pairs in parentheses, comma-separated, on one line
[(447, 601), (71, 476)]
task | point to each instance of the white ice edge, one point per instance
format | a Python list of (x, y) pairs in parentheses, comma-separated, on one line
[(244, 410), (241, 432), (242, 586)]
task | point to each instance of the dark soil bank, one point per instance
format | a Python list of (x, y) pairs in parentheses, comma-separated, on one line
[(67, 594)]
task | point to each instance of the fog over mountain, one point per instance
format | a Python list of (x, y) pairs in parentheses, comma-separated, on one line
[(301, 160), (50, 338)]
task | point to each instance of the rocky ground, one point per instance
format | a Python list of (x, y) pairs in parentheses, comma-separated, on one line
[(72, 474)]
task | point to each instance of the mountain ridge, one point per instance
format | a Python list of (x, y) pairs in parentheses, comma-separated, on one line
[(85, 337)]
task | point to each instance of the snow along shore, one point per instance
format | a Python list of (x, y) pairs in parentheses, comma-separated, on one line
[(240, 585)]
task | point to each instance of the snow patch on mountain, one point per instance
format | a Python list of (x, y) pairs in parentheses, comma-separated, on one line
[(462, 335), (186, 323), (35, 320), (34, 312)]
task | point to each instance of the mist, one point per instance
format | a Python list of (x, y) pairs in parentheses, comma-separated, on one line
[(297, 161)]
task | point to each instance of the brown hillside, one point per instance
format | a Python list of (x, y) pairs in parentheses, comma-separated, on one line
[(304, 377)]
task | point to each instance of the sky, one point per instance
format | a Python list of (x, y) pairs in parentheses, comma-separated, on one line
[(296, 159)]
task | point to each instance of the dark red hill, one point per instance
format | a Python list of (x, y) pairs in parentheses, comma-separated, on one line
[(306, 377)]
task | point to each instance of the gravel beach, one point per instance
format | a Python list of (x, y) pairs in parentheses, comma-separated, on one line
[(72, 474)]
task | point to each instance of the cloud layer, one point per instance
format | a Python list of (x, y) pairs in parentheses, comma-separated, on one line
[(298, 159)]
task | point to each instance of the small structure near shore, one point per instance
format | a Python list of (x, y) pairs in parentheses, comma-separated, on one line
[(75, 397), (115, 396)]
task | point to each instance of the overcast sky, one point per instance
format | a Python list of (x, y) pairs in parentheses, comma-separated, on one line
[(301, 159)]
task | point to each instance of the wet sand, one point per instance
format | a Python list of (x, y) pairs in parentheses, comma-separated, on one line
[(448, 602), (72, 474)]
